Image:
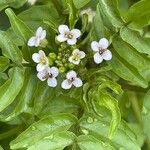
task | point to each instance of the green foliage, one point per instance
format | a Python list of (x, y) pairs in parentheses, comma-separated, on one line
[(112, 109)]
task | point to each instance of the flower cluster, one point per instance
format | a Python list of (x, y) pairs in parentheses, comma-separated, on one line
[(67, 58)]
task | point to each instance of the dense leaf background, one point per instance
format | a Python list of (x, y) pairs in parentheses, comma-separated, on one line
[(112, 109)]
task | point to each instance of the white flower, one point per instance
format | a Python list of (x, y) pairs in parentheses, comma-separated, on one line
[(91, 14), (50, 75), (76, 56), (101, 51), (67, 35), (41, 59), (72, 80), (38, 38)]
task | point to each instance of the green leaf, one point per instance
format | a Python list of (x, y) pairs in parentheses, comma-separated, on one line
[(109, 10), (139, 19), (42, 97), (111, 104), (9, 49), (146, 114), (141, 44), (12, 3), (19, 27), (98, 25), (10, 89), (1, 148), (25, 96), (73, 15), (110, 84), (88, 142), (80, 3), (45, 13), (4, 63), (45, 127), (124, 70), (128, 53), (123, 138), (56, 141)]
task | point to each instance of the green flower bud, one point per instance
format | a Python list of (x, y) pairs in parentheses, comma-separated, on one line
[(52, 56), (64, 45), (43, 43), (71, 65), (51, 62), (62, 69)]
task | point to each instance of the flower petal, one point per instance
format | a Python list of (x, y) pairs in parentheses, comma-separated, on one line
[(77, 82), (63, 28), (97, 58), (54, 71), (103, 43), (61, 38), (107, 55), (42, 75), (76, 33), (36, 57), (52, 82), (39, 31), (32, 41), (72, 41), (95, 46), (76, 62), (75, 51), (42, 53), (41, 67), (66, 85), (71, 74), (82, 54)]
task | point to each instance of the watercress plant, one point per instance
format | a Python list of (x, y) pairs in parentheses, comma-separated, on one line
[(74, 74)]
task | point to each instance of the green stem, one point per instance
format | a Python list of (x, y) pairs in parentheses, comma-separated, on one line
[(135, 105)]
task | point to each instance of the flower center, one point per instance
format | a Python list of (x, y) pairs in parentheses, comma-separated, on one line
[(48, 75), (42, 60), (76, 57), (101, 50), (69, 35), (71, 80)]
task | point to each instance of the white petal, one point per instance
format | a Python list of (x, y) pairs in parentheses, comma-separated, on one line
[(76, 33), (76, 62), (63, 28), (61, 38), (32, 41), (52, 82), (82, 54), (95, 46), (41, 33), (103, 43), (71, 74), (97, 58), (40, 67), (72, 41), (54, 71), (75, 51), (37, 42), (36, 57), (107, 55), (42, 53), (77, 82), (42, 75), (70, 59), (66, 85)]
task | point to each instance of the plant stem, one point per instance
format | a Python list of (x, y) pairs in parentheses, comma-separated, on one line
[(135, 106)]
